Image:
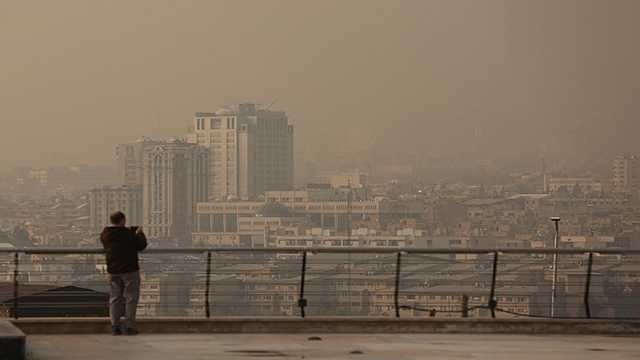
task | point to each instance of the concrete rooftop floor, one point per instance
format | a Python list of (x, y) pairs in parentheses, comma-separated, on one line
[(332, 346)]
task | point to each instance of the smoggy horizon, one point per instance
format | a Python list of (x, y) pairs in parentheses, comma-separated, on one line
[(362, 81)]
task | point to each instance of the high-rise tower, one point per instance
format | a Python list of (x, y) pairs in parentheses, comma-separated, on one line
[(251, 150)]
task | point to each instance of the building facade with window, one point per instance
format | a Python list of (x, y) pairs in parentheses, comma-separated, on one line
[(107, 200), (626, 174), (251, 150), (175, 179), (129, 161)]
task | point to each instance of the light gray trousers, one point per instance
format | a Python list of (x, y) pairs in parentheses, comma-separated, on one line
[(123, 300)]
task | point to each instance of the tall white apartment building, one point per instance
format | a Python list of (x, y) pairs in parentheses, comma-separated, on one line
[(251, 150)]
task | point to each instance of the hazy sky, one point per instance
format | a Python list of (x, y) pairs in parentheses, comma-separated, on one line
[(360, 80)]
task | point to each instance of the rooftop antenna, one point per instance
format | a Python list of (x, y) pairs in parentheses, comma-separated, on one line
[(544, 174), (554, 280), (349, 204), (349, 200), (270, 105)]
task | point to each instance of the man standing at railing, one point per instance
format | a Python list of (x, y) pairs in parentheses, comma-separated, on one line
[(121, 245)]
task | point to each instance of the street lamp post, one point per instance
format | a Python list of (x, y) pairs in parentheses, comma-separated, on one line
[(556, 221)]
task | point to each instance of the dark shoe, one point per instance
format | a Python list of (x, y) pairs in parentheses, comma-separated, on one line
[(131, 332), (115, 330)]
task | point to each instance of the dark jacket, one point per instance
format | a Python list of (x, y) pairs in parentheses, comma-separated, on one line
[(121, 245)]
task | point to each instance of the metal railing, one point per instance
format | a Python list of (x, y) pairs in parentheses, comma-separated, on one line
[(207, 282)]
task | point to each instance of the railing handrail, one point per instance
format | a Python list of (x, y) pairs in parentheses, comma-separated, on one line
[(491, 305), (320, 250)]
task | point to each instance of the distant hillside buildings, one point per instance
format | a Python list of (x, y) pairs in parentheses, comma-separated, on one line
[(231, 183), (571, 185), (625, 178), (56, 179)]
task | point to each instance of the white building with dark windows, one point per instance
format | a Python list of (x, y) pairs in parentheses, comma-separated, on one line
[(251, 150)]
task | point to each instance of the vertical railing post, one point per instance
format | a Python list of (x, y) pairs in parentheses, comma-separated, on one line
[(493, 303), (554, 279), (396, 289), (16, 273), (302, 302), (464, 306), (207, 290), (587, 287)]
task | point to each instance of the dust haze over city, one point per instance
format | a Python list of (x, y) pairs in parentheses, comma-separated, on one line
[(459, 158), (365, 82)]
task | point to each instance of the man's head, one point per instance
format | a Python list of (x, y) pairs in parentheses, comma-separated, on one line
[(118, 219)]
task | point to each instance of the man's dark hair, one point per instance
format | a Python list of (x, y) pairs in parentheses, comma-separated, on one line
[(117, 218)]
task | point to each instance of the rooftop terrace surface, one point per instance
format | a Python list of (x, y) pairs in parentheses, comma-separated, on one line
[(331, 346)]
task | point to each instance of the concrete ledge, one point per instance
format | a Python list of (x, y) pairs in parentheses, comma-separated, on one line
[(12, 342), (336, 325)]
